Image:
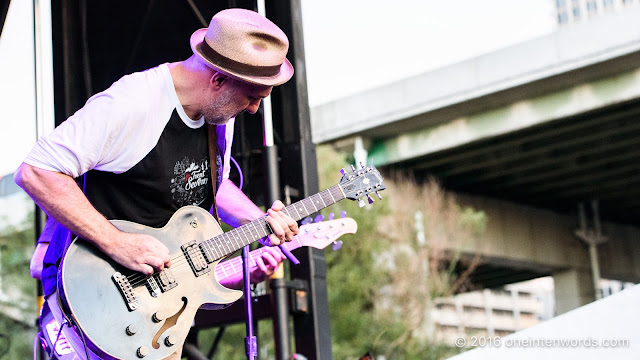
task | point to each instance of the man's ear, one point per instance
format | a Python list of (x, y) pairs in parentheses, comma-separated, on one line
[(217, 80)]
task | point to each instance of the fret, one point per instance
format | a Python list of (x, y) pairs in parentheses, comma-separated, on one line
[(254, 224), (213, 250), (262, 230), (294, 208), (304, 210), (224, 243), (236, 238), (305, 207), (230, 266), (313, 203), (221, 245), (224, 272), (330, 194), (254, 229), (324, 205), (244, 230)]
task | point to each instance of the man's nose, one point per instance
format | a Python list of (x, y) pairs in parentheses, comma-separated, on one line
[(253, 106)]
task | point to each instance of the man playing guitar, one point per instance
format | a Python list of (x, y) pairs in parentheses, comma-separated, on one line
[(143, 149)]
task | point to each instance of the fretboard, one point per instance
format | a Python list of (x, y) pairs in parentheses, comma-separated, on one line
[(231, 241)]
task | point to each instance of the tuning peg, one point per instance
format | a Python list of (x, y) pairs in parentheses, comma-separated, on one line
[(331, 216), (343, 214), (353, 168), (343, 171), (379, 196), (361, 203), (336, 245), (306, 220), (370, 199), (318, 218)]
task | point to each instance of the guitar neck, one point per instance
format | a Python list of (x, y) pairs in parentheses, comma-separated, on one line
[(234, 266), (231, 241)]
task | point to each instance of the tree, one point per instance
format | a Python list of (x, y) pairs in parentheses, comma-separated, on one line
[(18, 310), (383, 281)]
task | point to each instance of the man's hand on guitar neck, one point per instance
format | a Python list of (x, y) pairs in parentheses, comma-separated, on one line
[(236, 209), (283, 226)]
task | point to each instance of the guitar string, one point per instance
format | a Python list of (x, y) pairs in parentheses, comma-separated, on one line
[(221, 269), (139, 278), (225, 266)]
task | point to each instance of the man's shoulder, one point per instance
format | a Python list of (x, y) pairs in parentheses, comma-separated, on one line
[(136, 89), (149, 80)]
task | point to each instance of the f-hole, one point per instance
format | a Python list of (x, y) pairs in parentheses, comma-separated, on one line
[(170, 322)]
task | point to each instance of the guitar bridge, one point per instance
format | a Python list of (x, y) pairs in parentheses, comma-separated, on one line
[(196, 259), (126, 290)]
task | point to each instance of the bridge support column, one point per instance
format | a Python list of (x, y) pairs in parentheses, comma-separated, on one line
[(573, 288)]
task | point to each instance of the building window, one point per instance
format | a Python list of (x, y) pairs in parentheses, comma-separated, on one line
[(592, 7), (576, 13)]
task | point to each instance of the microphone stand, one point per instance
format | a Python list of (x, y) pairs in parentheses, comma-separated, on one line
[(250, 342)]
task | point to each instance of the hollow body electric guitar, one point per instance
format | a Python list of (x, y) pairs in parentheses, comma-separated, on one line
[(318, 235), (122, 314)]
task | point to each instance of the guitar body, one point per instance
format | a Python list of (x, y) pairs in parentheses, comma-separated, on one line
[(157, 325)]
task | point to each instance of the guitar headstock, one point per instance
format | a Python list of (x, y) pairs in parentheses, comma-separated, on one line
[(361, 182), (320, 235)]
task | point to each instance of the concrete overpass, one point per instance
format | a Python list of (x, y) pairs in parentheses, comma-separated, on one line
[(526, 133)]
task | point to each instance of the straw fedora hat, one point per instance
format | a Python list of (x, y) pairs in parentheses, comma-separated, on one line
[(245, 45)]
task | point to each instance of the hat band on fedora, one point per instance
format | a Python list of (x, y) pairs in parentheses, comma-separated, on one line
[(243, 69)]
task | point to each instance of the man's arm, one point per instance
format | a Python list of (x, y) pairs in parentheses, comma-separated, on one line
[(236, 209), (59, 196)]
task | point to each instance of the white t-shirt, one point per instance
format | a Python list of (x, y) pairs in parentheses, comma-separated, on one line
[(118, 127)]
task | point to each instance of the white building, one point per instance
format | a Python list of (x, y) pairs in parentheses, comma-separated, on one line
[(575, 11)]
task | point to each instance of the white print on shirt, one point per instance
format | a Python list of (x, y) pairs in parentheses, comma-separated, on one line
[(189, 185)]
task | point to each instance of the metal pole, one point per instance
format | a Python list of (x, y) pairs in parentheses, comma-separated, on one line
[(593, 249), (278, 285), (592, 240), (250, 344), (43, 69)]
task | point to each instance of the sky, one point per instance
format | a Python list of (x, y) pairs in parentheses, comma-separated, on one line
[(350, 46)]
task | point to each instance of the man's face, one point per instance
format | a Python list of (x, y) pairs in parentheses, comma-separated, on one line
[(232, 99)]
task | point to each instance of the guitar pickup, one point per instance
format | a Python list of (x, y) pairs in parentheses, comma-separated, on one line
[(195, 258), (126, 290), (152, 285), (166, 280)]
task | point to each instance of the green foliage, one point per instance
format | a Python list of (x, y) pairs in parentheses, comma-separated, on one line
[(382, 282), (352, 276), (18, 309)]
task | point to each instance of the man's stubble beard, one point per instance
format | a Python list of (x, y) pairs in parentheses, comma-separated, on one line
[(214, 113)]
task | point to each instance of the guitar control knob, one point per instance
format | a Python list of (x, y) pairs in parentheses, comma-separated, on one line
[(142, 351), (157, 316), (170, 340), (132, 329)]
